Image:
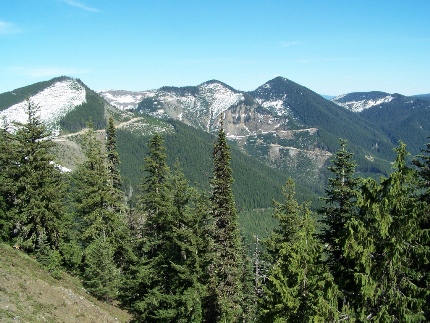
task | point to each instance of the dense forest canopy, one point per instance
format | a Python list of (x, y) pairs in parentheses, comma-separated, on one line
[(176, 253)]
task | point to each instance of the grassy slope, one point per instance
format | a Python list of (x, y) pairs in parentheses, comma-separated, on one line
[(29, 294)]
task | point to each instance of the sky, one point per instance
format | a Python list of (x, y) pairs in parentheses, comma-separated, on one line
[(331, 47)]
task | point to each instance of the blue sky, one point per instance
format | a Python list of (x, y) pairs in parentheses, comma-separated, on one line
[(332, 47)]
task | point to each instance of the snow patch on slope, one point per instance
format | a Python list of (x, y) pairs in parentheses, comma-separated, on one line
[(219, 98), (125, 99), (360, 105), (54, 102), (276, 106)]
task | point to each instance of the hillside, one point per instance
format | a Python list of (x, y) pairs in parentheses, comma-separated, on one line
[(399, 117), (281, 123), (256, 183), (28, 293), (65, 105)]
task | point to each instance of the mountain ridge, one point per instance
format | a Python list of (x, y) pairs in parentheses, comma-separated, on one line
[(281, 123)]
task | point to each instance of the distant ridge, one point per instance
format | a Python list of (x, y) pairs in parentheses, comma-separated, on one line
[(281, 123)]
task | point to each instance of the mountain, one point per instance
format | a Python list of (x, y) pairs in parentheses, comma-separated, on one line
[(65, 104), (422, 96), (256, 184), (400, 117), (359, 101), (308, 110), (124, 100), (282, 123)]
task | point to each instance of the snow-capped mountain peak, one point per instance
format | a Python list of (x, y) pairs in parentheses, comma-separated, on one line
[(54, 102)]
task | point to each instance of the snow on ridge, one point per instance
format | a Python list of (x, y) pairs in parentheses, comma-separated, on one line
[(125, 99), (360, 105), (54, 102), (219, 98)]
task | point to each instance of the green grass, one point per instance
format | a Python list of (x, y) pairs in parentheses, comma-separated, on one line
[(28, 293)]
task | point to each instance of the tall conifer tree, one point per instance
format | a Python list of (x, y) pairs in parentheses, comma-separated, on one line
[(423, 163), (97, 204), (98, 212), (167, 278), (225, 287), (37, 191), (112, 155), (151, 283), (299, 287), (340, 206)]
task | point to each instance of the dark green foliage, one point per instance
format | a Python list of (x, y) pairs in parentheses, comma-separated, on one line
[(340, 207), (403, 118), (255, 184), (93, 109), (298, 288), (112, 155), (423, 163), (168, 277), (147, 104), (36, 193), (99, 216), (71, 251), (48, 257), (422, 96), (5, 223), (187, 239), (256, 223), (96, 202), (225, 299), (101, 275), (7, 176), (386, 248)]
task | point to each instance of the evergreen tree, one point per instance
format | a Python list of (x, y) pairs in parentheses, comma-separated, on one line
[(386, 246), (225, 286), (7, 180), (148, 282), (97, 205), (187, 283), (35, 189), (168, 283), (101, 275), (340, 207), (299, 287), (99, 215), (423, 163), (50, 258), (112, 155)]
